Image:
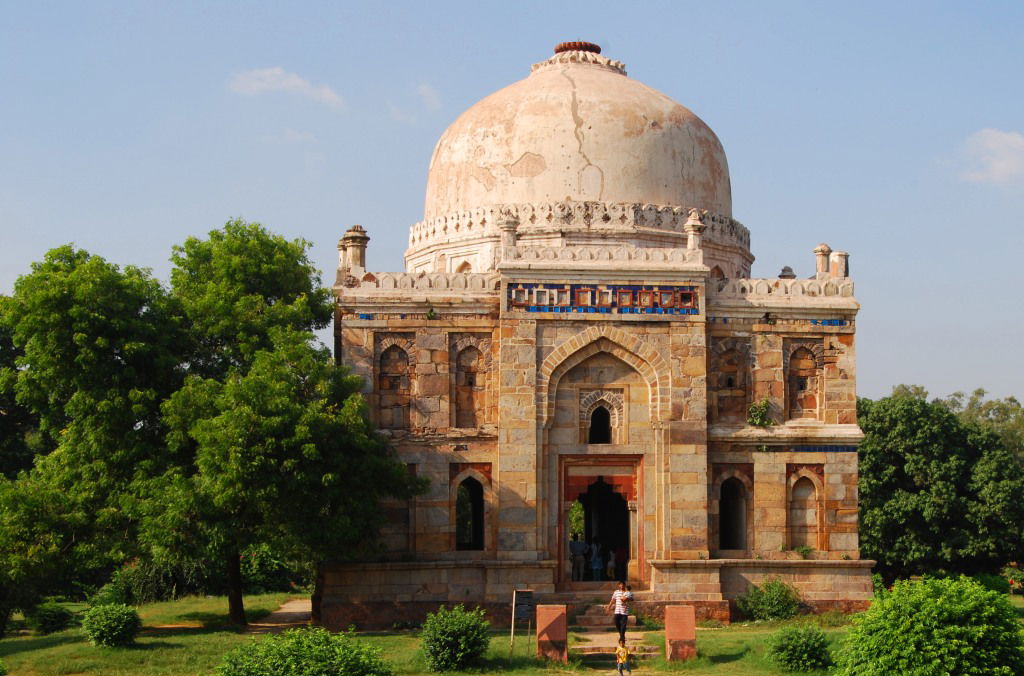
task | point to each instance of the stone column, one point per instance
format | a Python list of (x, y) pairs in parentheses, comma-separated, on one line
[(821, 253), (839, 264), (352, 249)]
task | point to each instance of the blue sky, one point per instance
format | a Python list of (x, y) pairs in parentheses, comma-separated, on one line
[(894, 131)]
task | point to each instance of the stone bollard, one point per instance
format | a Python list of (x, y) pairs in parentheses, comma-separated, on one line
[(680, 633), (552, 633)]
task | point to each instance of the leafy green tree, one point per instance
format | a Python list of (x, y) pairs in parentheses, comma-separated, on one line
[(1005, 417), (19, 428), (93, 348), (936, 493), (238, 286), (273, 439), (283, 453)]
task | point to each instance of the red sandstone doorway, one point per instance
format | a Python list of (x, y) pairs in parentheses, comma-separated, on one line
[(608, 491)]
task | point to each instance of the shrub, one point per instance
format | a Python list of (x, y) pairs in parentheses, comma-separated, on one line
[(3, 669), (878, 584), (111, 625), (996, 583), (305, 652), (49, 617), (800, 648), (935, 626), (1014, 578), (773, 600), (263, 570), (454, 639)]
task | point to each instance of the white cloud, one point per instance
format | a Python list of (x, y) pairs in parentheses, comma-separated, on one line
[(431, 99), (277, 79), (399, 115), (297, 136), (994, 156)]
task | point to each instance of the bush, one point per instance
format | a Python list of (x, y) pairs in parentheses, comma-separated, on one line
[(878, 584), (935, 626), (111, 625), (305, 652), (3, 669), (454, 639), (800, 648), (773, 600), (1013, 576), (996, 583), (49, 617), (832, 618), (264, 571)]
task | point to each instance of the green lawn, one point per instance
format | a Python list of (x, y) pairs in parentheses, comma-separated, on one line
[(200, 636), (193, 647)]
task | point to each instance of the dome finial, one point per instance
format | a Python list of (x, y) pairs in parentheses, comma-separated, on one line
[(577, 46)]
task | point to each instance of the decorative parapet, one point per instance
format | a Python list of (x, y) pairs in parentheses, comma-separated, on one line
[(582, 257), (484, 283), (768, 289), (581, 56), (579, 215)]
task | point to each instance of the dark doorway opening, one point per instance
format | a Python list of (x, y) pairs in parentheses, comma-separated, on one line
[(606, 532), (469, 516), (732, 515), (600, 426)]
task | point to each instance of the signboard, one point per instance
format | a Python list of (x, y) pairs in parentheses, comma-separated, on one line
[(522, 604)]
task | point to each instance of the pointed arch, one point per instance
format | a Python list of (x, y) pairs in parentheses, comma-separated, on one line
[(630, 349), (475, 532), (805, 508)]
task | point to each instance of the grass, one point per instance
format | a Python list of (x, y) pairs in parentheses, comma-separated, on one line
[(191, 636), (196, 643)]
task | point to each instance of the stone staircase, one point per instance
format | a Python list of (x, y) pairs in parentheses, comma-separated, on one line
[(597, 638)]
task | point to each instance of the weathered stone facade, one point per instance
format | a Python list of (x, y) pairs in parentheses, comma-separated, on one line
[(540, 354)]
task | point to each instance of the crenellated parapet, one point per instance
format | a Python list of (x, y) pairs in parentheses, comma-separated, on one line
[(597, 216), (438, 281), (596, 257), (781, 288)]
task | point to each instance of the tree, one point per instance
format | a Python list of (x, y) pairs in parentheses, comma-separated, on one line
[(1005, 417), (93, 348), (279, 445), (936, 493), (19, 428)]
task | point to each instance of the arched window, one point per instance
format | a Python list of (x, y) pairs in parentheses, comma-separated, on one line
[(716, 273), (802, 383), (732, 515), (803, 514), (469, 390), (469, 516), (464, 267), (393, 388), (600, 426)]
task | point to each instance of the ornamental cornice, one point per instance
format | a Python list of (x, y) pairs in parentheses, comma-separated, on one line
[(580, 57), (608, 217)]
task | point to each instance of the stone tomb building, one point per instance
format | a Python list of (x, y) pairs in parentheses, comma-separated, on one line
[(577, 335)]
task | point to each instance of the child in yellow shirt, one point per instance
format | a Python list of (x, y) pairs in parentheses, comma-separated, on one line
[(622, 658)]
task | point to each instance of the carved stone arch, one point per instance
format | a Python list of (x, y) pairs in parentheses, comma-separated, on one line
[(613, 401), (814, 534), (593, 340), (721, 473), (816, 347), (459, 473), (386, 340), (470, 384)]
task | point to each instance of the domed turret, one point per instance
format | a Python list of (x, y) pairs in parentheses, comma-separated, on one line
[(576, 137)]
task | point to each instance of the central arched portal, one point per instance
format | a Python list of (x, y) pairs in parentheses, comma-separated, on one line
[(599, 519), (606, 532)]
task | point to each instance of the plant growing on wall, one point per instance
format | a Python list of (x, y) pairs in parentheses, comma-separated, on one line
[(576, 519), (760, 413)]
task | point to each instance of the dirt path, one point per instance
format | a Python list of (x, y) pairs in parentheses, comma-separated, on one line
[(293, 613)]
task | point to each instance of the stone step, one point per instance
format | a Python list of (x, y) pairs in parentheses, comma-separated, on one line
[(635, 650), (601, 620)]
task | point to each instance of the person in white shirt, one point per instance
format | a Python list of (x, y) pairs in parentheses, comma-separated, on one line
[(620, 601)]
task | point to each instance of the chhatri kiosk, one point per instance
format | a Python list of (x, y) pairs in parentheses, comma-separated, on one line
[(576, 339)]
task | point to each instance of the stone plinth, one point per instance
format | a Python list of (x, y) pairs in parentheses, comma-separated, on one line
[(552, 633), (680, 633)]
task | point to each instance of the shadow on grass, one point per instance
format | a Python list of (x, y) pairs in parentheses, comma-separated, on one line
[(725, 658), (9, 647)]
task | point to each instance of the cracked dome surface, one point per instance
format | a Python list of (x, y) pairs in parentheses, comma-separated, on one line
[(577, 129)]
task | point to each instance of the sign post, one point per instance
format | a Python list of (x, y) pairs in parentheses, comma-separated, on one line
[(522, 609)]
